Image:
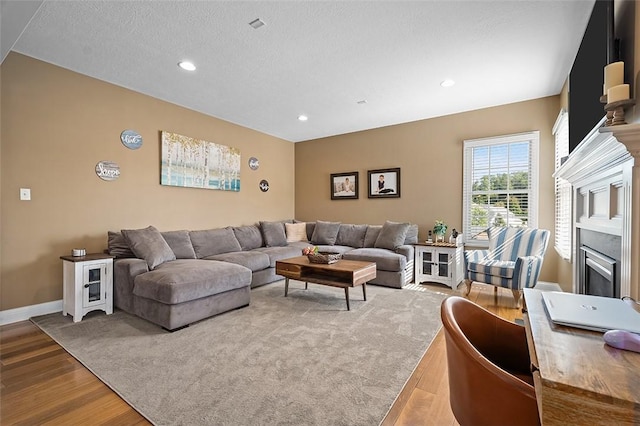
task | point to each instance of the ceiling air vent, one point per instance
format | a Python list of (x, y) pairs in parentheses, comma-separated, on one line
[(256, 23)]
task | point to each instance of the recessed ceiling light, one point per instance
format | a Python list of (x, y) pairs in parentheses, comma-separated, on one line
[(186, 65), (303, 118), (256, 23), (447, 83)]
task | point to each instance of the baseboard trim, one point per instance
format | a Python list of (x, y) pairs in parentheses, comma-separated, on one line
[(10, 316)]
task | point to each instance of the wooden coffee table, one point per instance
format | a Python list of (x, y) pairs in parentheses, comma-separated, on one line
[(343, 273)]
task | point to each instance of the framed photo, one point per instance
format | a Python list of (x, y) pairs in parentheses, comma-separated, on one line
[(344, 186), (384, 183)]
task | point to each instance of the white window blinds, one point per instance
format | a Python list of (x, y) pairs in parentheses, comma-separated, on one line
[(562, 240), (500, 184)]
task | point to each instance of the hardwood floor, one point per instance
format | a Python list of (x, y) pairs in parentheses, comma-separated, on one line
[(42, 384)]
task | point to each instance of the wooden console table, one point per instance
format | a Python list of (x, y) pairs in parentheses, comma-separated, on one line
[(578, 379)]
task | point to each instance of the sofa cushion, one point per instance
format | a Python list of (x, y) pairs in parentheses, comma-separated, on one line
[(296, 232), (351, 235), (391, 235), (300, 245), (311, 226), (334, 249), (496, 268), (412, 235), (253, 260), (384, 259), (325, 232), (214, 241), (149, 245), (117, 245), (273, 234), (279, 253), (249, 237), (190, 279), (372, 234), (180, 244)]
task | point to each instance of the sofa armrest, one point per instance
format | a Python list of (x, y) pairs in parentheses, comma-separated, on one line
[(473, 256), (124, 273), (407, 250), (527, 271)]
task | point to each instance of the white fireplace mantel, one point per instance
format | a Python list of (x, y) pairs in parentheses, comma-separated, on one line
[(604, 171)]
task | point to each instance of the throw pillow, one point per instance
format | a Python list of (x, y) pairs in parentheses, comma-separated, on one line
[(392, 235), (325, 233), (273, 234), (351, 235), (180, 244), (412, 235), (149, 245), (117, 245), (214, 241), (296, 231)]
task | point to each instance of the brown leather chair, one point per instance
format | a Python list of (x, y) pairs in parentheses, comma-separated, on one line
[(490, 380)]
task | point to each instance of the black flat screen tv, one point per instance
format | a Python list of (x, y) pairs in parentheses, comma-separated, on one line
[(598, 48)]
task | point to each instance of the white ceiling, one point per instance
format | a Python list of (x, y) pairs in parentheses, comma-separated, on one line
[(317, 58)]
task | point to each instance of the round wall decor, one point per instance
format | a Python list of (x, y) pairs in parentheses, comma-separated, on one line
[(264, 185), (131, 139), (254, 163), (107, 170)]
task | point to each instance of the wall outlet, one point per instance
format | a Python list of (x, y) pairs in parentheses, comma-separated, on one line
[(25, 194)]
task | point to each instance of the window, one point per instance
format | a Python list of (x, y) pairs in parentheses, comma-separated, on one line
[(562, 241), (500, 184)]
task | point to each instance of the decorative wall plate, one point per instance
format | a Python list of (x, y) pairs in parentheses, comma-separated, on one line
[(107, 170), (264, 185), (254, 163), (131, 139)]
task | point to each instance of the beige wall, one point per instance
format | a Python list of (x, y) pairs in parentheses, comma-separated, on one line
[(429, 153), (56, 125)]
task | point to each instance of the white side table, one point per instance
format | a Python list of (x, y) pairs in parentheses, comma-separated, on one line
[(439, 262), (87, 284)]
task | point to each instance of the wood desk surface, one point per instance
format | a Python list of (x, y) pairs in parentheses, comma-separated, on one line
[(579, 379)]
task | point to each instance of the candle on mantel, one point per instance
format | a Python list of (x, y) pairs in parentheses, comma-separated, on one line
[(613, 76), (618, 93)]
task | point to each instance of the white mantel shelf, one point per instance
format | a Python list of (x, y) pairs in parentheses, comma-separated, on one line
[(604, 171)]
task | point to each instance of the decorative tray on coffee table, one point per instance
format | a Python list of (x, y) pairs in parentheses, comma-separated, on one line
[(327, 258)]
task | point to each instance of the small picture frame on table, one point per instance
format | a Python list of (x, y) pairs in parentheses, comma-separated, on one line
[(344, 186), (384, 183)]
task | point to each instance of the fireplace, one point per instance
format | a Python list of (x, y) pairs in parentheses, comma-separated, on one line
[(604, 172), (598, 266)]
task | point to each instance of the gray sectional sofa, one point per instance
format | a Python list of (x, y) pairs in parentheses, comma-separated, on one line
[(179, 277)]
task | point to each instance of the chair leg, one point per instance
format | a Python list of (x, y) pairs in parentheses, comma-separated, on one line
[(467, 283), (516, 296)]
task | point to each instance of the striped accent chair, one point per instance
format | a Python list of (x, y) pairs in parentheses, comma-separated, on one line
[(513, 261)]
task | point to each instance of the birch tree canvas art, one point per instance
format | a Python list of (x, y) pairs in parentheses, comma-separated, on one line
[(194, 163)]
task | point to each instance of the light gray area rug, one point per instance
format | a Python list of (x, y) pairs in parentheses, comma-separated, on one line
[(300, 360)]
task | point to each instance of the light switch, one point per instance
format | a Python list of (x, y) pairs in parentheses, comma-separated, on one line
[(25, 194)]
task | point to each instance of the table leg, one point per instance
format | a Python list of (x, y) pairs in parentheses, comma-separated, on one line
[(306, 285), (346, 294), (286, 286), (364, 291)]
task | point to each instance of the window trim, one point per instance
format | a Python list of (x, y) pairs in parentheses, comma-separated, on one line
[(534, 138)]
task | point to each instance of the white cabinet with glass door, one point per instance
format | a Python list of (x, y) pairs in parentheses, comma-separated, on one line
[(439, 262), (87, 284)]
